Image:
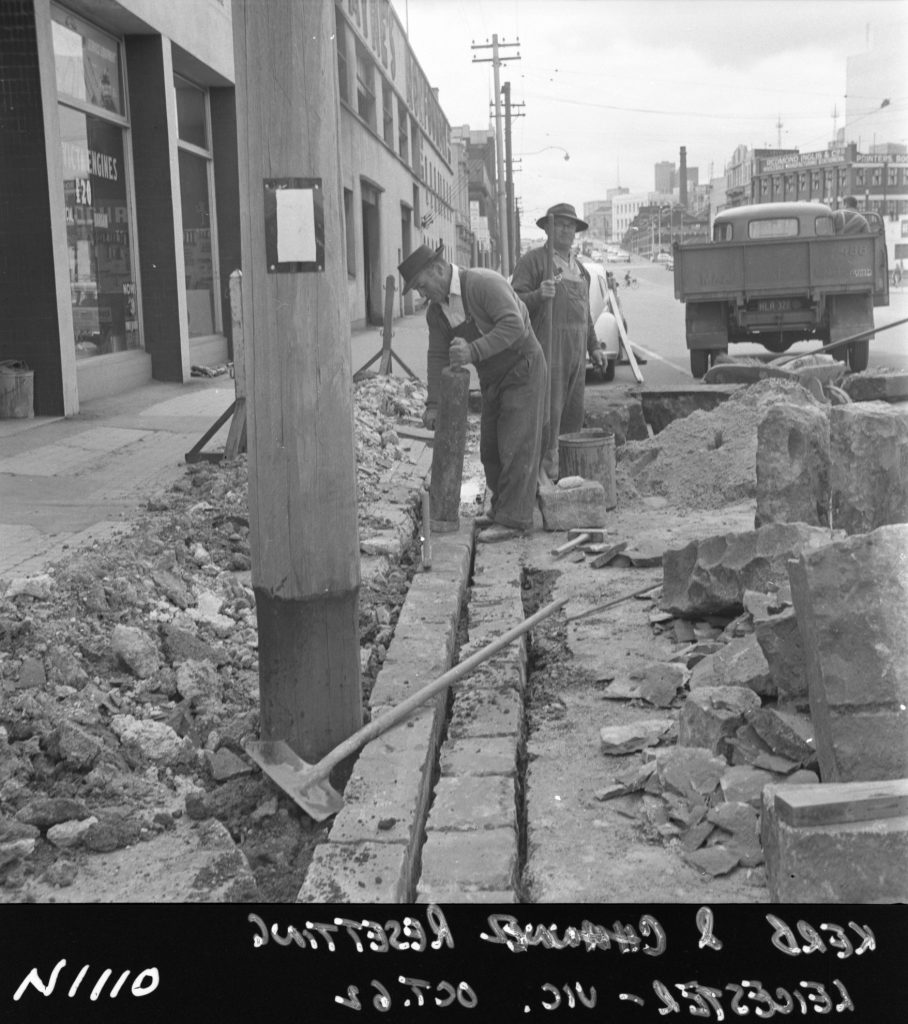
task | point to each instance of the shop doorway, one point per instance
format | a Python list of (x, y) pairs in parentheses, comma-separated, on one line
[(406, 247), (372, 279)]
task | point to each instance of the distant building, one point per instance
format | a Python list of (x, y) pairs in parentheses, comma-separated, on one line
[(598, 214), (482, 194), (668, 178)]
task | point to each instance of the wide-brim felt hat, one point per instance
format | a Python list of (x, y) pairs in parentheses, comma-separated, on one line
[(415, 262), (562, 210)]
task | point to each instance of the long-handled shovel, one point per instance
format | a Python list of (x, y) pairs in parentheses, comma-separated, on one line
[(308, 783)]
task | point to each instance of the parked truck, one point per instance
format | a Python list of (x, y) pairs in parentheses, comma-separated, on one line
[(777, 273)]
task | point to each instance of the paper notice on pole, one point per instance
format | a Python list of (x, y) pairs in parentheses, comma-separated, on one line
[(295, 225)]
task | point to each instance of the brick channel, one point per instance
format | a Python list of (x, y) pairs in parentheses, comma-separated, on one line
[(433, 808)]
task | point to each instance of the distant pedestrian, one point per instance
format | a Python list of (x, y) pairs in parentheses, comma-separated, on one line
[(848, 221), (572, 331), (474, 316)]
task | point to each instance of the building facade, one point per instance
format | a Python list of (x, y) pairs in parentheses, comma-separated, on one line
[(120, 194), (118, 171), (398, 167)]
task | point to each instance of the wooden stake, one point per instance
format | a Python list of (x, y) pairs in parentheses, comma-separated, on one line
[(302, 477), (448, 450)]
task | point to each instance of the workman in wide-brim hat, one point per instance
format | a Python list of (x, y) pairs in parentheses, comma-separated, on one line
[(559, 306), (475, 317), (564, 210)]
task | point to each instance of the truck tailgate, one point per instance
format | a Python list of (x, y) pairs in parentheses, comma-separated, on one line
[(727, 270)]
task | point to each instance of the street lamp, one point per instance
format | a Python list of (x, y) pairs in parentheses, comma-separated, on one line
[(567, 156)]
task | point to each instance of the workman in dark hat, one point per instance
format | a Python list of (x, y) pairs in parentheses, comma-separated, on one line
[(848, 221), (475, 317), (572, 331)]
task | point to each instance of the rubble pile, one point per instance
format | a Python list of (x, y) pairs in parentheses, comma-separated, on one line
[(129, 675), (706, 460), (699, 782)]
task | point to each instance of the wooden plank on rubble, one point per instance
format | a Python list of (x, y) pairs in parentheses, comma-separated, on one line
[(837, 803)]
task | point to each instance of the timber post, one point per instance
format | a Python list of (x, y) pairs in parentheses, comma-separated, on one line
[(448, 450), (302, 475)]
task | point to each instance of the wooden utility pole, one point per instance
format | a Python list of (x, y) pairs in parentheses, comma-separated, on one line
[(497, 61), (302, 476)]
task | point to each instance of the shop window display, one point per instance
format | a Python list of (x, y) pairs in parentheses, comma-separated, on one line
[(95, 189)]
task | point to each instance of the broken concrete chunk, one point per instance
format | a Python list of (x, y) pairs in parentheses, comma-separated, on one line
[(742, 783), (780, 641), (626, 739), (74, 746), (738, 818), (738, 663), (40, 587), (710, 576), (65, 668), (693, 772), (69, 833), (785, 733), (697, 835), (713, 860), (153, 741), (47, 811), (877, 386), (793, 465), (31, 675), (659, 682), (224, 765), (868, 474), (712, 714), (564, 510), (136, 650), (852, 607), (198, 680)]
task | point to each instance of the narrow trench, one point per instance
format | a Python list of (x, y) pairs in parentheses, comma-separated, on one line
[(537, 586)]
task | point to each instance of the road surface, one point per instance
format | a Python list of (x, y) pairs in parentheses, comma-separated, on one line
[(656, 328)]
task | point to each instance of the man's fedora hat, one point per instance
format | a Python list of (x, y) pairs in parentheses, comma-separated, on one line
[(562, 210), (415, 262)]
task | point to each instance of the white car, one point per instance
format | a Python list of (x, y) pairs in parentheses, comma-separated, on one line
[(619, 257), (602, 300)]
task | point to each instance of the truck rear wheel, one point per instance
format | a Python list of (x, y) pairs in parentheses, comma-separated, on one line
[(699, 361), (858, 355)]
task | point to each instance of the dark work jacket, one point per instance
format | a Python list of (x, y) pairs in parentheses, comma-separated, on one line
[(497, 329)]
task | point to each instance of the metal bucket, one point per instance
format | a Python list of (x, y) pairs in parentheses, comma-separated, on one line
[(590, 454)]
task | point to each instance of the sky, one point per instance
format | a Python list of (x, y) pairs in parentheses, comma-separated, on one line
[(620, 85)]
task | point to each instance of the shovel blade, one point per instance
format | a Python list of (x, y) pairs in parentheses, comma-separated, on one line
[(319, 799)]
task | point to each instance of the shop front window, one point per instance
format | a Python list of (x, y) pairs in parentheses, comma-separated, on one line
[(87, 63), (97, 235), (195, 202), (91, 108)]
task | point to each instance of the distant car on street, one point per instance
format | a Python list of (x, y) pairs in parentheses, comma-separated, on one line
[(662, 257), (619, 256)]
